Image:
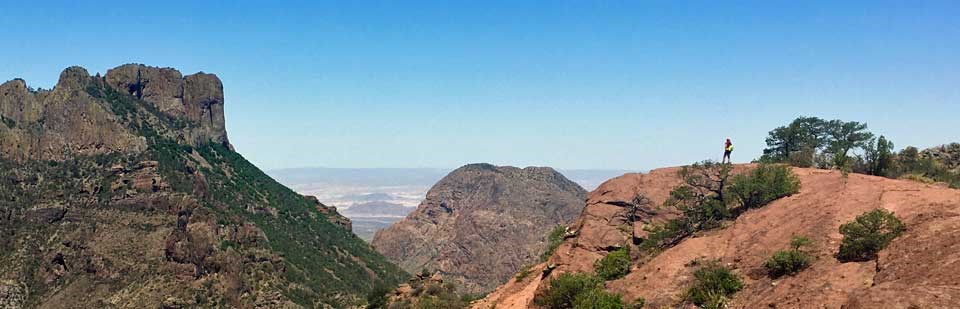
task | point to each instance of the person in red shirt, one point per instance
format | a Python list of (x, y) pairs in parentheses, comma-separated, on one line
[(727, 149)]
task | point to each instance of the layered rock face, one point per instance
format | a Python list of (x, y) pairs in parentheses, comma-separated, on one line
[(123, 192), (903, 278), (948, 155), (197, 98), (56, 124), (482, 223)]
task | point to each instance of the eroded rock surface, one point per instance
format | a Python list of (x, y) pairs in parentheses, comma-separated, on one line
[(482, 223), (904, 278)]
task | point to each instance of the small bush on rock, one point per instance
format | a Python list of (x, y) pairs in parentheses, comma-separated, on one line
[(615, 265), (554, 239), (577, 290), (764, 184), (789, 262), (866, 235), (598, 299), (713, 285)]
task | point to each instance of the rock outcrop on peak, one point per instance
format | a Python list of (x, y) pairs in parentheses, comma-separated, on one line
[(948, 155), (123, 192), (482, 223), (61, 122), (197, 98), (913, 272)]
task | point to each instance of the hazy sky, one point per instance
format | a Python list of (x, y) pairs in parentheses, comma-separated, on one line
[(569, 84)]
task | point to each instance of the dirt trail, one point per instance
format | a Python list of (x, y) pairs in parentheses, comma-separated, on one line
[(919, 269)]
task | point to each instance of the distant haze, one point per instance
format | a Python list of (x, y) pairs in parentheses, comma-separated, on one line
[(406, 187)]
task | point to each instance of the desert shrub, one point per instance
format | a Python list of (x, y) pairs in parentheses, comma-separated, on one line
[(787, 262), (597, 299), (615, 265), (764, 184), (869, 233), (918, 178), (665, 235), (713, 285), (554, 239), (564, 290), (524, 272)]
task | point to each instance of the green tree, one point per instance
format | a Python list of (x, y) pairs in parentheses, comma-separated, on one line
[(908, 158), (844, 136), (702, 196), (878, 158), (802, 136)]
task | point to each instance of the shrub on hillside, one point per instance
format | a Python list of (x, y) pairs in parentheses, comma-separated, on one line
[(554, 239), (524, 272), (572, 290), (665, 235), (789, 262), (598, 299), (615, 265), (713, 285), (869, 233), (764, 184)]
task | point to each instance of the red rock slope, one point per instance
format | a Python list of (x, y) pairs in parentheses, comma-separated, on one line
[(919, 269)]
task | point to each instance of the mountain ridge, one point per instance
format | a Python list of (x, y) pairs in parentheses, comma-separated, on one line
[(124, 191)]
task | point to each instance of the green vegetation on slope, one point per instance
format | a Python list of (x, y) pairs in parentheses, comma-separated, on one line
[(710, 195), (869, 233), (324, 262), (849, 147), (713, 286)]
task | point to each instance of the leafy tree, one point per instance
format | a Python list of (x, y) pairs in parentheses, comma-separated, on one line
[(802, 136), (908, 158), (844, 136), (869, 233), (702, 196), (878, 159)]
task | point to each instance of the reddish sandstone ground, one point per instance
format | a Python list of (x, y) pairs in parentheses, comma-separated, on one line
[(919, 269)]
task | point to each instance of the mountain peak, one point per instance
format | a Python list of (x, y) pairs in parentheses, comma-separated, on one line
[(481, 223)]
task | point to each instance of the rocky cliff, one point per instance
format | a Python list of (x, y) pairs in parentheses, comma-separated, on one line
[(482, 223), (123, 191), (915, 271)]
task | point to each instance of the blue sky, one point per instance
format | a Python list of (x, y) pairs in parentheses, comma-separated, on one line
[(569, 84)]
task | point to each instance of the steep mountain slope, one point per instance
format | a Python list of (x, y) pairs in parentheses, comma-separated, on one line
[(124, 191), (916, 270), (482, 223)]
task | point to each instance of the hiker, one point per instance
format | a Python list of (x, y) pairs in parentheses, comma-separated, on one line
[(727, 149)]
